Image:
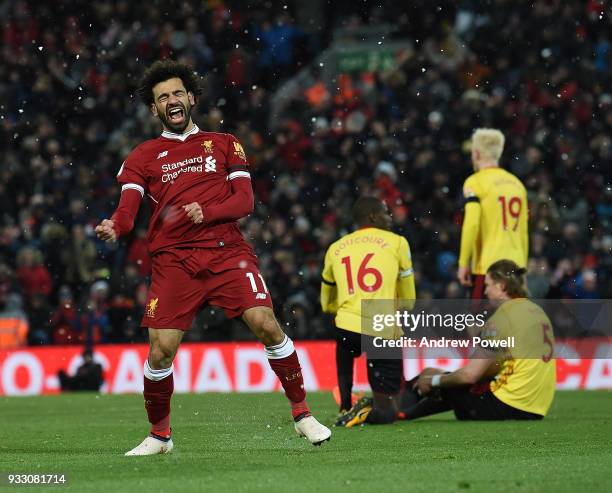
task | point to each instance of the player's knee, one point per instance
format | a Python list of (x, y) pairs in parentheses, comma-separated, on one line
[(266, 328), (271, 332), (161, 356)]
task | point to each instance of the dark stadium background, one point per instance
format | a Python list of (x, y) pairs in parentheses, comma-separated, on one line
[(330, 100)]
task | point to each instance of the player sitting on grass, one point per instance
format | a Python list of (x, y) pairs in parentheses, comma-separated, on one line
[(514, 383), (524, 380)]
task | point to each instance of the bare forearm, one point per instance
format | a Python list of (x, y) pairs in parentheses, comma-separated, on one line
[(472, 373), (456, 379)]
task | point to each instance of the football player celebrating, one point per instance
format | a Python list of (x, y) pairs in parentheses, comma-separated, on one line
[(513, 383), (197, 184), (495, 221), (371, 263)]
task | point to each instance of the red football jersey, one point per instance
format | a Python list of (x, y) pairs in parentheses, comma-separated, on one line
[(174, 170)]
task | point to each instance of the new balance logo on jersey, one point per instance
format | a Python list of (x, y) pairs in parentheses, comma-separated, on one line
[(162, 154), (261, 296), (211, 164)]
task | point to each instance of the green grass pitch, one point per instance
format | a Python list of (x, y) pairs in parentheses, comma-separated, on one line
[(245, 442)]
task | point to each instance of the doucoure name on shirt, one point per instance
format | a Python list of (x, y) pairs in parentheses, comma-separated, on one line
[(372, 240)]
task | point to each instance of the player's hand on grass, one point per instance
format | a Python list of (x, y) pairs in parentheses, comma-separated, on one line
[(465, 276), (194, 212), (106, 230)]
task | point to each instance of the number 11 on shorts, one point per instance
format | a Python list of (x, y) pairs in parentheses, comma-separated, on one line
[(251, 278)]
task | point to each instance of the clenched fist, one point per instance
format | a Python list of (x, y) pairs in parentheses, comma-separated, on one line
[(194, 212), (106, 230)]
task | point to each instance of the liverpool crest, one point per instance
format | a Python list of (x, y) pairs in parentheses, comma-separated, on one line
[(152, 307), (207, 145)]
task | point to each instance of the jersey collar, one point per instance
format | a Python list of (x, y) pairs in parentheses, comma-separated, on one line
[(181, 137)]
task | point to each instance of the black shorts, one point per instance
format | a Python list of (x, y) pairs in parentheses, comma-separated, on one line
[(474, 403), (384, 375)]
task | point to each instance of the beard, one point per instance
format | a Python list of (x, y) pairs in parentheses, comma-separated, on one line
[(177, 128)]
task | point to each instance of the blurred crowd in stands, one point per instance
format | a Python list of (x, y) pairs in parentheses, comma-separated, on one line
[(539, 71)]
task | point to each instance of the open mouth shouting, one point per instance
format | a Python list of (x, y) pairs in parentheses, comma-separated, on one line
[(176, 115)]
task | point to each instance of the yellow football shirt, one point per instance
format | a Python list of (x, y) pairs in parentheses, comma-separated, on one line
[(527, 378), (495, 223), (368, 264)]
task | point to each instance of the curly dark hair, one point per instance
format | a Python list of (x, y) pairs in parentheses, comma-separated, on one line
[(168, 69)]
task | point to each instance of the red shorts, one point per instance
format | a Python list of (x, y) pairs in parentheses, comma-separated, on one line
[(184, 279), (478, 289), (479, 301)]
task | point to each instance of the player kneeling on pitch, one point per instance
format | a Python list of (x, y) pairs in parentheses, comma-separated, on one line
[(524, 377), (368, 265)]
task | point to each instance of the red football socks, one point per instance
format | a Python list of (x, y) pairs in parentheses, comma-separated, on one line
[(157, 397), (299, 410), (289, 373)]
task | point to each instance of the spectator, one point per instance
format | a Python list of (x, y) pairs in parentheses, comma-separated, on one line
[(14, 326), (67, 128), (95, 323), (278, 39), (39, 314), (80, 258), (586, 285), (64, 320), (32, 275), (87, 377)]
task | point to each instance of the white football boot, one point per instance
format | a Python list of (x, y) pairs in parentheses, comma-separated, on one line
[(315, 432), (152, 446)]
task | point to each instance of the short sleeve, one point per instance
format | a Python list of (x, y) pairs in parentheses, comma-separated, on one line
[(236, 158), (471, 190), (327, 276), (499, 326), (131, 174), (405, 259)]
